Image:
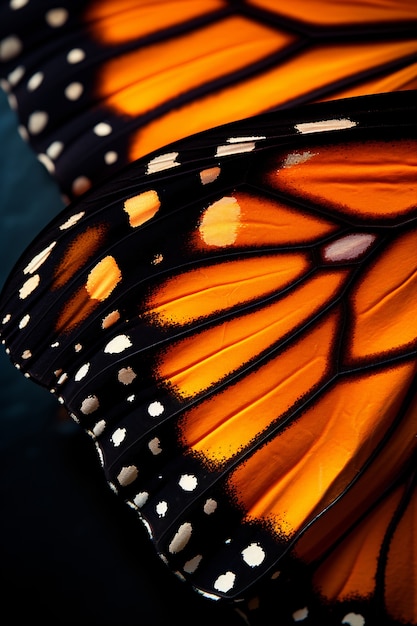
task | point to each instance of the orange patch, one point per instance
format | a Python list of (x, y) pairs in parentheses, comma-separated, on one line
[(225, 424), (350, 179)]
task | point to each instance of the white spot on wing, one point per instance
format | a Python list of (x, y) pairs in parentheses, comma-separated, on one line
[(353, 619), (127, 475), (191, 565), (295, 158), (24, 321), (29, 286), (118, 436), (140, 499), (235, 148), (102, 129), (188, 482), (210, 506), (162, 508), (349, 247), (253, 555), (118, 344), (72, 220), (155, 446), (162, 162), (10, 47), (225, 582), (306, 128), (155, 409), (82, 372), (181, 538), (209, 175), (39, 259), (126, 375), (300, 614), (89, 405)]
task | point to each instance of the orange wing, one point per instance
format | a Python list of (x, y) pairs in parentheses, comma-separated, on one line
[(241, 344)]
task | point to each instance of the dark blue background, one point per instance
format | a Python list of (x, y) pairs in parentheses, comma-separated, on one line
[(70, 552)]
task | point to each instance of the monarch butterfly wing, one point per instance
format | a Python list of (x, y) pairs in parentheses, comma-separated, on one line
[(212, 312), (99, 84)]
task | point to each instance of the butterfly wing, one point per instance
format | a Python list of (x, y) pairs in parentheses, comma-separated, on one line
[(240, 343), (99, 84)]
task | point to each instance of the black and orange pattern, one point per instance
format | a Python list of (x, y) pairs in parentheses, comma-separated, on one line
[(99, 84), (240, 341), (232, 317)]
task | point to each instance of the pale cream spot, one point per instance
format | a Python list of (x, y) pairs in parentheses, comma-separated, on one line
[(6, 318), (118, 344), (80, 185), (23, 132), (110, 157), (220, 222), (155, 409), (162, 162), (210, 506), (209, 175), (253, 555), (162, 508), (142, 208), (99, 428), (16, 75), (89, 405), (349, 247), (296, 158), (26, 355), (191, 565), (75, 55), (118, 436), (82, 372), (56, 17), (46, 162), (10, 47), (126, 375), (110, 319), (35, 81), (55, 149), (131, 398), (24, 321), (78, 347), (103, 279), (37, 122), (235, 147), (353, 619), (62, 379), (188, 482), (300, 614), (39, 259), (155, 446), (29, 286), (140, 499), (72, 220), (225, 582), (100, 454), (18, 4), (73, 91), (181, 538), (102, 129), (12, 100), (158, 258), (324, 125), (127, 475)]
